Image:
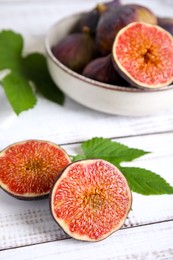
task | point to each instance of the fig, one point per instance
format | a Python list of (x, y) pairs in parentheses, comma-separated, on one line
[(115, 19), (166, 23), (143, 55), (111, 4), (29, 168), (90, 200), (102, 69), (75, 51), (90, 19)]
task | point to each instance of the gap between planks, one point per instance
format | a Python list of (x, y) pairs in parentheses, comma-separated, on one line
[(148, 242)]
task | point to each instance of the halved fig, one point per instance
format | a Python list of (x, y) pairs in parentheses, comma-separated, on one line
[(143, 55), (28, 169), (90, 200)]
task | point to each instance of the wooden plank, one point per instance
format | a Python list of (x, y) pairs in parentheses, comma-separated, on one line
[(147, 242), (73, 122), (26, 223)]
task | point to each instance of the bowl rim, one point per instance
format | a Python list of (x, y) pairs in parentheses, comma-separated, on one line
[(85, 79)]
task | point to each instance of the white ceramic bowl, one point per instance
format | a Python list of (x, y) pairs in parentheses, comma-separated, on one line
[(100, 96)]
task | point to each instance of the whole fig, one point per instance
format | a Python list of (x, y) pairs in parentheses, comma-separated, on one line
[(112, 4), (102, 69), (75, 51), (166, 23), (113, 20), (90, 19)]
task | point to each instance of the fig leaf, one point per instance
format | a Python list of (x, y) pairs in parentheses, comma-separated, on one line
[(140, 180), (146, 182), (35, 68), (18, 92), (111, 151), (11, 45), (21, 72), (78, 157)]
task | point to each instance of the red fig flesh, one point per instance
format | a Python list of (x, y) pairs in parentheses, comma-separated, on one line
[(143, 55), (28, 169), (90, 200)]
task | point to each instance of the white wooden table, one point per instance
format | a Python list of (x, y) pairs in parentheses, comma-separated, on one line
[(27, 231)]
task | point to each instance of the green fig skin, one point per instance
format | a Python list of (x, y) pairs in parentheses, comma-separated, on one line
[(75, 51), (112, 21)]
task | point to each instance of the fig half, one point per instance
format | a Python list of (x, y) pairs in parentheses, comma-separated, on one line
[(90, 200), (143, 55), (28, 169)]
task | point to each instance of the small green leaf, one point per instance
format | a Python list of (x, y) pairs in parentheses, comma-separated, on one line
[(11, 45), (17, 88), (78, 157), (35, 69), (146, 182), (111, 151), (18, 92)]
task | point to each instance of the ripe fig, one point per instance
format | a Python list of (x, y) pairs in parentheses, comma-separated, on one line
[(75, 51), (111, 4), (90, 19), (28, 169), (166, 23), (143, 55), (115, 19), (102, 69), (90, 200)]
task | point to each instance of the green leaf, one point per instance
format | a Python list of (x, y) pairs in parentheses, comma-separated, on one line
[(35, 69), (11, 45), (18, 92), (111, 151), (146, 182), (22, 71), (78, 157), (140, 180)]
